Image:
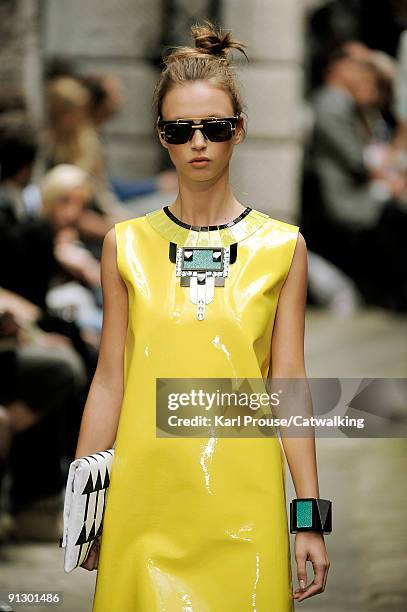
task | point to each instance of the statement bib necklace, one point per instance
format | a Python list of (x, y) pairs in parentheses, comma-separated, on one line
[(202, 254)]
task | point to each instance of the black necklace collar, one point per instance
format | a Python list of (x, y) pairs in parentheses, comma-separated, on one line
[(205, 228)]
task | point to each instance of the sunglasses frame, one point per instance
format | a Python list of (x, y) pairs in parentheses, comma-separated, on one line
[(161, 123)]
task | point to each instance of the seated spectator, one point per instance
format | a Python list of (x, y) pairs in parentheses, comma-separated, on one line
[(41, 393), (28, 261), (72, 139), (362, 206), (66, 193), (106, 99), (18, 150)]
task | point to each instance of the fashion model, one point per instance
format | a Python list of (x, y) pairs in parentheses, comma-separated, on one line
[(206, 287)]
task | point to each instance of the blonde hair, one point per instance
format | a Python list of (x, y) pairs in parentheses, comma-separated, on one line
[(65, 94), (208, 60), (59, 181)]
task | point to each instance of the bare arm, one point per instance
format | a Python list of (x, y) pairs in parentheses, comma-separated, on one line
[(288, 362), (102, 409), (287, 359)]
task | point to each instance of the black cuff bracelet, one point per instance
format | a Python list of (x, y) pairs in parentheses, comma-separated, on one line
[(311, 514)]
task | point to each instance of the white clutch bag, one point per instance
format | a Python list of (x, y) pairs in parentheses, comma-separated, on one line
[(84, 506)]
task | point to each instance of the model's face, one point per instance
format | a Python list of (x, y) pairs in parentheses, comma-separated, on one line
[(199, 100)]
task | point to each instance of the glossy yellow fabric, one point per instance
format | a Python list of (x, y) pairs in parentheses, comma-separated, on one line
[(196, 524)]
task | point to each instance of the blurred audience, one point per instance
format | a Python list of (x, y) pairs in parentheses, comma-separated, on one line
[(71, 138), (79, 107), (66, 192), (18, 150), (47, 362), (354, 202), (42, 391), (106, 101), (42, 251), (50, 294)]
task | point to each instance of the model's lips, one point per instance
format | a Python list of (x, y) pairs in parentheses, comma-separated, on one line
[(199, 162)]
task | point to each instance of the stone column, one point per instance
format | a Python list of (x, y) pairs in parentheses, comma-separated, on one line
[(266, 166), (20, 66)]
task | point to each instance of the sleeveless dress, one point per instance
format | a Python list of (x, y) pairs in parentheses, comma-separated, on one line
[(196, 524)]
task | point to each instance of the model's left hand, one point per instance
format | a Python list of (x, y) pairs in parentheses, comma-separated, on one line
[(310, 546)]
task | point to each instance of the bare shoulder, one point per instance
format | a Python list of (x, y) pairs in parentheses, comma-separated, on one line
[(301, 240), (109, 267), (300, 252), (109, 247), (110, 239), (297, 274)]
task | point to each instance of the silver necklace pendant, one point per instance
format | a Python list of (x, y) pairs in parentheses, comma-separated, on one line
[(202, 269)]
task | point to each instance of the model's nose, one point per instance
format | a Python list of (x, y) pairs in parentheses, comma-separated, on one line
[(198, 137)]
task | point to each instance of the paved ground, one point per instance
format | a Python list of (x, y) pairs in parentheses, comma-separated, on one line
[(365, 478)]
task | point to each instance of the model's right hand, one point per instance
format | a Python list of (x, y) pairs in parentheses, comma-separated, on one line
[(310, 546), (92, 561)]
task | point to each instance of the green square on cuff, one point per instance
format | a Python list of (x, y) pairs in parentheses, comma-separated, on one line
[(304, 513)]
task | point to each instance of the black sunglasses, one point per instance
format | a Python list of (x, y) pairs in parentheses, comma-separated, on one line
[(213, 128)]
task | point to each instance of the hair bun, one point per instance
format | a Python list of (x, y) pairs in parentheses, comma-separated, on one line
[(208, 61), (210, 40)]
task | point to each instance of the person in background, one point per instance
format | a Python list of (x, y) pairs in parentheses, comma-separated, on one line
[(46, 247), (103, 99), (107, 96), (44, 362), (362, 205), (18, 150), (27, 254), (41, 394), (71, 138), (66, 192)]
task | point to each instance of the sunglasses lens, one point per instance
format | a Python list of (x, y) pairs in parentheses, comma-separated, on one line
[(218, 131), (177, 133)]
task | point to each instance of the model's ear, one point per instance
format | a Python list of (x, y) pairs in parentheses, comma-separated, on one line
[(162, 141), (239, 131)]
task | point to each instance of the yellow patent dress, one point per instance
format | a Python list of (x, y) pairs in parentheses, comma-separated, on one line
[(196, 524)]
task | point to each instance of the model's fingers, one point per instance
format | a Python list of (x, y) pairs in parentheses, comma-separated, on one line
[(326, 572), (317, 585), (92, 559), (301, 571), (96, 550), (88, 564)]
